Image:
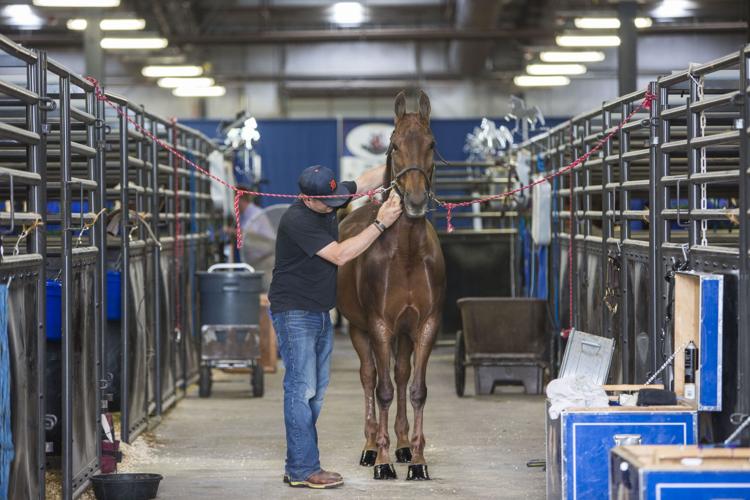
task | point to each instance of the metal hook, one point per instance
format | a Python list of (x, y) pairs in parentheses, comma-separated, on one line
[(685, 250)]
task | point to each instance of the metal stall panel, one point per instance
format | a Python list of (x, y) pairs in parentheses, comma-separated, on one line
[(135, 356), (169, 340)]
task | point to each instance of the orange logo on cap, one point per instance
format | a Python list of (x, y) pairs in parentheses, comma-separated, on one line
[(333, 185)]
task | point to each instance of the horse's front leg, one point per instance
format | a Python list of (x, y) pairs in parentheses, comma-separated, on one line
[(403, 371), (380, 338), (418, 394)]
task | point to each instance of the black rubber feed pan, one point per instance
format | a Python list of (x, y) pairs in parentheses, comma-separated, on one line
[(126, 486)]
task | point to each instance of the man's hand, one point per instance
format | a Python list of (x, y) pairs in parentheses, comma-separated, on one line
[(391, 210)]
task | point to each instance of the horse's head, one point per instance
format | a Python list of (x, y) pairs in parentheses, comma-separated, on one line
[(410, 166)]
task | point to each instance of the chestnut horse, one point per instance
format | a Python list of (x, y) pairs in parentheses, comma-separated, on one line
[(393, 296)]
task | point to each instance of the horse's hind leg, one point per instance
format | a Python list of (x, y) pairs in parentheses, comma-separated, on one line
[(367, 376), (403, 371), (418, 395)]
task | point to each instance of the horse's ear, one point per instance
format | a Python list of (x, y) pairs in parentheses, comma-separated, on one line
[(424, 107), (400, 105)]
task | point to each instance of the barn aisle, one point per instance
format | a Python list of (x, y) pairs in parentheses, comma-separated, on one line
[(231, 446)]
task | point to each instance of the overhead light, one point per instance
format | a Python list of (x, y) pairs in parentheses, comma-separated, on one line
[(162, 71), (587, 41), (566, 57), (134, 43), (22, 15), (215, 91), (347, 13), (643, 22), (171, 83), (77, 24), (596, 23), (76, 3), (601, 23), (122, 24), (673, 8), (555, 69), (541, 81)]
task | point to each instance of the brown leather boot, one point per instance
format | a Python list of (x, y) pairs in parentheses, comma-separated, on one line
[(319, 480)]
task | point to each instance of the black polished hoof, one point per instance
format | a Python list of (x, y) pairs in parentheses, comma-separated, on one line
[(418, 472), (384, 471), (368, 458), (403, 455)]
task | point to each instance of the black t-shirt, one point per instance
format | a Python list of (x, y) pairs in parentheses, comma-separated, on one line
[(301, 279)]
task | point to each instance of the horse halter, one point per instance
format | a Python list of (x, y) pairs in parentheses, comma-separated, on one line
[(395, 177)]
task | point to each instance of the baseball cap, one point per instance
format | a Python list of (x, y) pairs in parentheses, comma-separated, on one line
[(320, 181)]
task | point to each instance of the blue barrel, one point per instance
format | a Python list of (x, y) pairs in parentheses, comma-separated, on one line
[(54, 310)]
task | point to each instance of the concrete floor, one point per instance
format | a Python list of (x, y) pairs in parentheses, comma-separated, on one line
[(231, 446)]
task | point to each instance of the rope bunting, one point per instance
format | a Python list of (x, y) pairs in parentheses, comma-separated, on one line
[(449, 206)]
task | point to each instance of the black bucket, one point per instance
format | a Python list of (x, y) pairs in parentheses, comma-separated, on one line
[(230, 295), (126, 486)]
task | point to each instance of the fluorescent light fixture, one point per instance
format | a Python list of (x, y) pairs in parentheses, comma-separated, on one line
[(22, 15), (216, 91), (643, 22), (587, 41), (134, 43), (673, 8), (172, 83), (77, 24), (555, 69), (122, 24), (555, 56), (76, 3), (347, 13), (596, 23), (174, 71), (541, 81), (601, 23)]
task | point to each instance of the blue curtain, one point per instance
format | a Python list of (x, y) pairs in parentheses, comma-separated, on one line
[(6, 432)]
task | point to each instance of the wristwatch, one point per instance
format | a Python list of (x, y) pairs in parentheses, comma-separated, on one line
[(381, 227)]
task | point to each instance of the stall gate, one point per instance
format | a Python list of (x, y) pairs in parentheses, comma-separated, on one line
[(98, 221), (669, 191)]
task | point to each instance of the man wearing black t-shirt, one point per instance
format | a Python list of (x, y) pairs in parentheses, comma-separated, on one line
[(302, 293)]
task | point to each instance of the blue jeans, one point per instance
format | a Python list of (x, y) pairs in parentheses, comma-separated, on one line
[(305, 343)]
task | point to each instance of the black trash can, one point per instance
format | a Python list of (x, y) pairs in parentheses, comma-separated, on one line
[(230, 295)]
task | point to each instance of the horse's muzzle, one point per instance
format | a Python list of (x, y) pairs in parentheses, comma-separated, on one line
[(415, 206)]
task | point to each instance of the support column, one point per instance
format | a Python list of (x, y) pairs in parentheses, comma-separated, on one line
[(627, 61), (94, 54)]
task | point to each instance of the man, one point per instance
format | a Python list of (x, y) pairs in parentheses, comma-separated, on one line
[(302, 293)]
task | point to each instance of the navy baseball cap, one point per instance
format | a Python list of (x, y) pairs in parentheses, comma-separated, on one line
[(320, 181)]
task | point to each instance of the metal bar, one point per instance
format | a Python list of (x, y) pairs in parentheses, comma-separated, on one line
[(713, 139), (125, 277), (657, 200), (743, 349), (12, 48), (20, 93), (82, 116), (67, 290), (157, 267), (693, 131), (18, 134), (36, 77)]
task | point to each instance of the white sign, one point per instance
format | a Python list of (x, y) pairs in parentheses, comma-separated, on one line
[(369, 141)]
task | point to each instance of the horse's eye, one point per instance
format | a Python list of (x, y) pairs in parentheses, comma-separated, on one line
[(394, 147), (432, 145)]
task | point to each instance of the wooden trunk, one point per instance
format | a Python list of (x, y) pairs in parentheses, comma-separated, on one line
[(268, 348)]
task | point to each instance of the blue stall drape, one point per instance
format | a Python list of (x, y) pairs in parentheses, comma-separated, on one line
[(6, 433)]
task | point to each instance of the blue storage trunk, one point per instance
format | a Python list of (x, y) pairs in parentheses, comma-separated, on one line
[(579, 442), (675, 472)]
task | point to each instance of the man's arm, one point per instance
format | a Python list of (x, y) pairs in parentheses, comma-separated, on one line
[(370, 179), (351, 248)]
